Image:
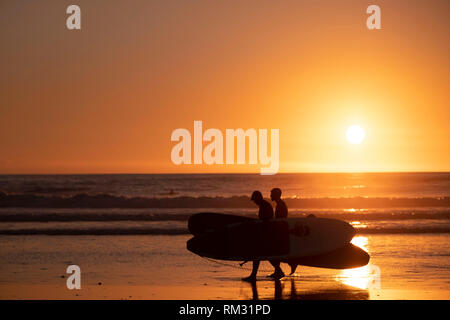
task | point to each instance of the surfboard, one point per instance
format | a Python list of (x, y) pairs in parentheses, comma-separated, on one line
[(347, 257), (202, 222), (276, 239)]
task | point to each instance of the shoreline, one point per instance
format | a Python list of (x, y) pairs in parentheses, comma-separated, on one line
[(160, 268), (201, 292)]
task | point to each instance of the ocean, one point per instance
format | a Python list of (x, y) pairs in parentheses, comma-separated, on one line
[(161, 204), (128, 233)]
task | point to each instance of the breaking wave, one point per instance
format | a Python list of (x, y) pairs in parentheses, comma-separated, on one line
[(98, 231), (113, 201), (74, 215)]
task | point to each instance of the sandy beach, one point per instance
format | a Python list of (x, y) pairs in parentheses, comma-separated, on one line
[(159, 267), (266, 290)]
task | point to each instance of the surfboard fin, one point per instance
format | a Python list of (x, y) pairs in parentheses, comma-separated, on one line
[(293, 267)]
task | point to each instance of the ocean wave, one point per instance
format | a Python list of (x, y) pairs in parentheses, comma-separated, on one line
[(37, 216), (112, 201), (98, 231), (95, 231), (403, 230), (73, 217)]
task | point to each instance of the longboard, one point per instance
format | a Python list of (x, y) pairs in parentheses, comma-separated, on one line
[(203, 222), (347, 257), (276, 239)]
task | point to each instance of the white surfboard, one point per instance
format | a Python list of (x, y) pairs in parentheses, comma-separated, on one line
[(275, 239)]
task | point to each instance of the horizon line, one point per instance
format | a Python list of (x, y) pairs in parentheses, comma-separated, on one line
[(217, 173)]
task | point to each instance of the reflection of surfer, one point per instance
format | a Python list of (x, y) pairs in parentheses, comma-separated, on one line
[(281, 211), (278, 294), (265, 213)]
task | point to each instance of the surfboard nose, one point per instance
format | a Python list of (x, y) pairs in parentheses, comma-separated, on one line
[(351, 231), (364, 259)]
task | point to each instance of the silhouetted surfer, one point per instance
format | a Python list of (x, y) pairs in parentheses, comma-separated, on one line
[(265, 213), (281, 212)]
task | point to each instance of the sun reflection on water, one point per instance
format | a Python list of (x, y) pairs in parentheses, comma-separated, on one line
[(358, 277)]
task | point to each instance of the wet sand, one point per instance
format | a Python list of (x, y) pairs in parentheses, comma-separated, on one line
[(243, 291), (159, 267)]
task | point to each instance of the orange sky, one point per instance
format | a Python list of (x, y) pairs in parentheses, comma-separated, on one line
[(107, 98)]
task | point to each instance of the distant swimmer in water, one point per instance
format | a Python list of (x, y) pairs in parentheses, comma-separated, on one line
[(281, 212), (170, 193), (265, 213)]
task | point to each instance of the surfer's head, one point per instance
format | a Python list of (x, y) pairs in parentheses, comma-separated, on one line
[(257, 197), (275, 194)]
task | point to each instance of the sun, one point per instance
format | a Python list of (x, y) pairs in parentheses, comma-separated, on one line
[(355, 134)]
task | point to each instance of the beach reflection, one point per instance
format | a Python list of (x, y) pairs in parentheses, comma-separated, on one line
[(348, 284), (281, 291), (362, 277)]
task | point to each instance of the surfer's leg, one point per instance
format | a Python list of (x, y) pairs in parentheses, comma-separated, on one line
[(252, 276), (293, 267), (278, 273), (274, 264)]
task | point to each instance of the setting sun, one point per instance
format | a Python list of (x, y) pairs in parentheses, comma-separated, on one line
[(225, 151), (355, 134)]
